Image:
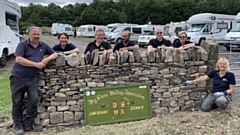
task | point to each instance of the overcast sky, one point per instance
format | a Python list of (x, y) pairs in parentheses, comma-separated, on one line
[(46, 2)]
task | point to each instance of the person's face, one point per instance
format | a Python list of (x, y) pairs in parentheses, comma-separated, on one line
[(182, 37), (35, 35), (125, 36), (99, 37), (159, 33), (222, 65), (63, 39)]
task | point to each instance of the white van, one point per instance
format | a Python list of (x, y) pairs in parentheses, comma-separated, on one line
[(208, 26), (177, 27), (233, 35), (60, 27), (89, 30), (10, 13), (111, 27), (135, 30)]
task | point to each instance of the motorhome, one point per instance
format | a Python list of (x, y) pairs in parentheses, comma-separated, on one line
[(89, 30), (111, 27), (208, 26), (135, 30), (234, 35), (61, 27), (10, 13), (176, 27)]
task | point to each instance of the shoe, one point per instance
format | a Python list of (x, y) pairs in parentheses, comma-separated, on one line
[(19, 130), (34, 128)]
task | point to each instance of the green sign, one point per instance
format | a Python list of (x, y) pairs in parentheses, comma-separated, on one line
[(116, 104)]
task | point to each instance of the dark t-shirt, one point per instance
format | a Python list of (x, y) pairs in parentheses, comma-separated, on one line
[(120, 45), (155, 43), (221, 84), (68, 47), (179, 44), (92, 46), (27, 51)]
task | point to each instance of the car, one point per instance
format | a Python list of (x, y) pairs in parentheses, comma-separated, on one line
[(145, 38)]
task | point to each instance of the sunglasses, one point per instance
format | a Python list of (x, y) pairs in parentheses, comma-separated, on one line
[(159, 32), (182, 37)]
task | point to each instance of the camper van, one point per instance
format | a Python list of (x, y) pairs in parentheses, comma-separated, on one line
[(135, 30), (208, 26), (111, 27), (89, 30), (234, 35), (10, 13), (176, 27), (60, 27)]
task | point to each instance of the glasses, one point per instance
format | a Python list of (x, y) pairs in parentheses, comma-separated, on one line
[(159, 32), (182, 37)]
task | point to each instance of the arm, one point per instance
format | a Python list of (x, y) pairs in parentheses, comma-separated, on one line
[(25, 62), (168, 45), (186, 46), (202, 78), (231, 89), (76, 50), (49, 58), (151, 48), (135, 47)]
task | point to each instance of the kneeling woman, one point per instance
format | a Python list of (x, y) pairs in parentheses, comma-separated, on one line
[(64, 46), (223, 85)]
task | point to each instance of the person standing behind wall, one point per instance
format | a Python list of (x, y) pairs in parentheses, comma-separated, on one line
[(99, 43), (126, 44), (159, 42), (64, 46), (24, 78)]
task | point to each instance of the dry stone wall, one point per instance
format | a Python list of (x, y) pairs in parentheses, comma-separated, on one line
[(62, 82)]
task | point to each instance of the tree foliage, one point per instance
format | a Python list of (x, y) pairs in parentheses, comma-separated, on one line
[(103, 12)]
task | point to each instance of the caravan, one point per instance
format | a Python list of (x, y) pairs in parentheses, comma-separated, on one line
[(10, 13), (60, 27), (89, 30), (208, 26), (234, 35)]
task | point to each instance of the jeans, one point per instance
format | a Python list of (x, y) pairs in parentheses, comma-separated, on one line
[(212, 102), (18, 88)]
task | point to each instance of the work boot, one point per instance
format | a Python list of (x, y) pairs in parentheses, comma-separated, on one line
[(19, 130), (33, 128)]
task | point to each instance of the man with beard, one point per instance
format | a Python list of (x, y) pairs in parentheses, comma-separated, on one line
[(159, 41), (24, 79), (126, 44)]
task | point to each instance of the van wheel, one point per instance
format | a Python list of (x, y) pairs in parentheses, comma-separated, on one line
[(201, 40), (119, 40), (3, 59)]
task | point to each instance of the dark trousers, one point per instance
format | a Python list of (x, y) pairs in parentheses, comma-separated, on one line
[(18, 88)]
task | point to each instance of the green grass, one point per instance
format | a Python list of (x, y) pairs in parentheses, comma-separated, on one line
[(5, 95)]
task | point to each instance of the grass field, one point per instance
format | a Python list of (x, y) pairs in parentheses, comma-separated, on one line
[(5, 95)]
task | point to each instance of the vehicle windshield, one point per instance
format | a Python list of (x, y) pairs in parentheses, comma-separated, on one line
[(236, 27), (81, 29), (153, 33), (195, 27), (118, 29)]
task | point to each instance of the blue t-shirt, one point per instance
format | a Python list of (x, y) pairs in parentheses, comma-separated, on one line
[(221, 84), (120, 45), (27, 51), (68, 47), (179, 44)]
